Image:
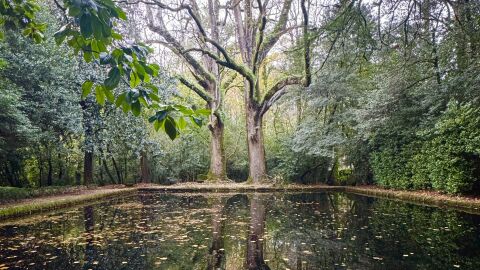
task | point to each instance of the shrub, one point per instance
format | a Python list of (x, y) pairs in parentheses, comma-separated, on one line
[(445, 157), (390, 170), (450, 156)]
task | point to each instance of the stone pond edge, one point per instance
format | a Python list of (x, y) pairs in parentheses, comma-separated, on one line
[(460, 203)]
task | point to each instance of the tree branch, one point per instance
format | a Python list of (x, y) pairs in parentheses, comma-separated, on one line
[(262, 22), (277, 91), (204, 95), (306, 45), (177, 48), (278, 31)]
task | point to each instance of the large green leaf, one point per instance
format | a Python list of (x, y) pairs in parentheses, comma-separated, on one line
[(170, 128), (181, 123), (86, 88), (97, 27), (134, 79), (120, 100), (136, 108), (86, 25), (109, 94), (100, 94), (158, 124), (113, 78), (197, 121)]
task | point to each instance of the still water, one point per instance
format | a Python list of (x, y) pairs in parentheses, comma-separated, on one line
[(244, 231)]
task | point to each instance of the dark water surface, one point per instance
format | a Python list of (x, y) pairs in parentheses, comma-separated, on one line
[(244, 231)]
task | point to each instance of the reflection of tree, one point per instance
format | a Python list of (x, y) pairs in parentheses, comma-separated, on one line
[(89, 237), (216, 253), (255, 260), (221, 206)]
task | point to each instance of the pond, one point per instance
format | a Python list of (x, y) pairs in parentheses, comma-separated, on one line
[(244, 231)]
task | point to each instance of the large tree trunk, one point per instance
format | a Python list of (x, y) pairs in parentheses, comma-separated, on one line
[(88, 148), (144, 168), (60, 168), (88, 168), (217, 171), (256, 148)]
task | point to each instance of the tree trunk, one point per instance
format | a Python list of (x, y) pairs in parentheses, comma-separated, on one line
[(40, 171), (9, 175), (115, 166), (460, 36), (107, 170), (88, 151), (50, 171), (144, 169), (256, 147), (217, 171), (60, 167), (117, 171), (88, 168), (102, 182)]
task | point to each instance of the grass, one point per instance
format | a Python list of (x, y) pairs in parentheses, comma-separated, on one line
[(15, 194), (429, 198), (46, 204)]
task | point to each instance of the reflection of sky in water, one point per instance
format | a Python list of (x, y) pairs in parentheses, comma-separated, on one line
[(256, 231)]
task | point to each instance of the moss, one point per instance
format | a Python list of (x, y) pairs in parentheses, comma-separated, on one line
[(212, 178), (423, 198), (14, 193), (47, 205)]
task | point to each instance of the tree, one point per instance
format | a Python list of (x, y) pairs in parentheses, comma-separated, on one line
[(254, 42), (16, 132), (207, 73)]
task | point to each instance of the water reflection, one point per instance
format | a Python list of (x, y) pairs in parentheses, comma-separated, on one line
[(244, 231), (216, 252), (89, 237), (255, 238)]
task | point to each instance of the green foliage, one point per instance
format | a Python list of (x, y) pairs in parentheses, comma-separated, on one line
[(444, 157), (163, 118), (20, 15), (91, 32), (343, 176), (389, 168), (451, 151)]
